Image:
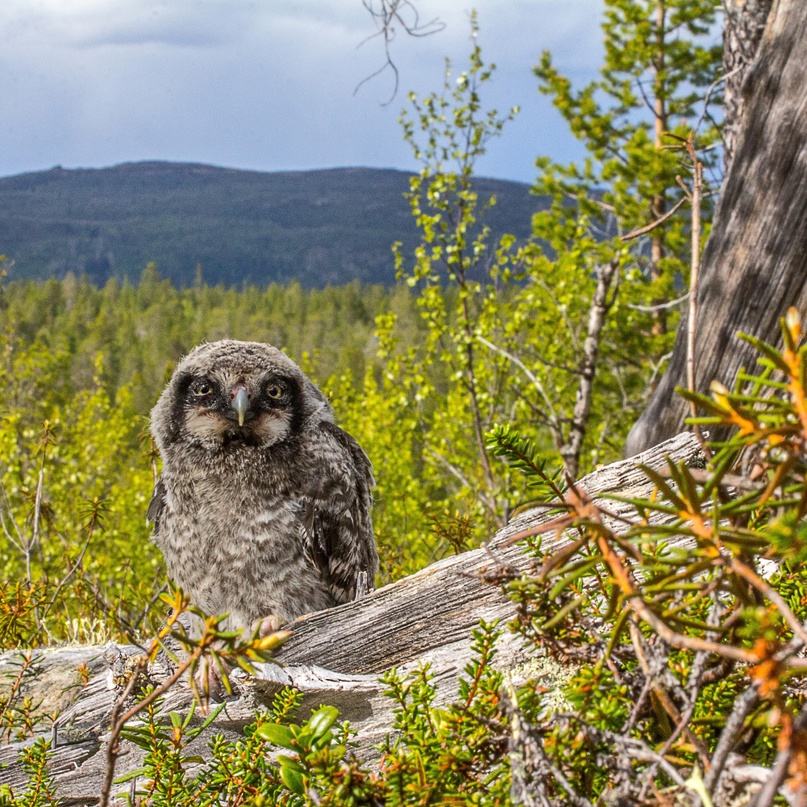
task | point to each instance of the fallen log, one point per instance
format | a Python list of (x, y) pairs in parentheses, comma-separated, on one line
[(334, 657)]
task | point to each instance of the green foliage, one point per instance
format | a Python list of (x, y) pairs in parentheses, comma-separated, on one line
[(693, 608), (40, 791), (21, 717), (435, 754), (520, 453), (232, 772), (453, 753), (483, 333), (448, 132), (660, 58), (509, 339), (679, 632), (80, 368)]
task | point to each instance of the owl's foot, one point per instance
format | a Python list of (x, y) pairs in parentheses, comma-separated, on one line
[(209, 682), (268, 625)]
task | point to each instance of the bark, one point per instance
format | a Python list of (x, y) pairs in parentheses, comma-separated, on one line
[(607, 276), (744, 25), (658, 205), (755, 263), (333, 657)]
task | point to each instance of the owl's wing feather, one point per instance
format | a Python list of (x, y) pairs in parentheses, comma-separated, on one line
[(336, 515), (156, 505)]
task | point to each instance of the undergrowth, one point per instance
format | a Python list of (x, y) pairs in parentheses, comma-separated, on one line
[(679, 618)]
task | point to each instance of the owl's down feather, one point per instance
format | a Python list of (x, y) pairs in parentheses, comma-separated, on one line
[(263, 507)]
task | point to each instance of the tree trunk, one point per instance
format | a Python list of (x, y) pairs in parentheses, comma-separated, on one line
[(742, 33), (755, 262)]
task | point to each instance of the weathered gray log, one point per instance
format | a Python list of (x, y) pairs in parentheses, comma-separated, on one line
[(755, 262), (333, 656)]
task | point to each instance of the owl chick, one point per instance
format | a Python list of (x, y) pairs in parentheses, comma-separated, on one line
[(263, 507)]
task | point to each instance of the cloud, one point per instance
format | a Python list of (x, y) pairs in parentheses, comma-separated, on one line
[(99, 23), (263, 84)]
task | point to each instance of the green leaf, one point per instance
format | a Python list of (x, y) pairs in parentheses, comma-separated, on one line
[(322, 720), (770, 353), (290, 762), (277, 734), (663, 487), (127, 777), (293, 780)]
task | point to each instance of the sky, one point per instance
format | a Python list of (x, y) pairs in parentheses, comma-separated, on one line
[(268, 85)]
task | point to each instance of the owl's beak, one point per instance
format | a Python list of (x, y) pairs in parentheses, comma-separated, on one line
[(241, 404)]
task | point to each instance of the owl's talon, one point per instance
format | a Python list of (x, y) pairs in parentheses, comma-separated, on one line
[(268, 625), (209, 683)]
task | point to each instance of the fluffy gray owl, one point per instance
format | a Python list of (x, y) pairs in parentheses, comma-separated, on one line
[(263, 507)]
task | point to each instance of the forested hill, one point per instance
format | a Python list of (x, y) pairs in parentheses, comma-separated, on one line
[(321, 227)]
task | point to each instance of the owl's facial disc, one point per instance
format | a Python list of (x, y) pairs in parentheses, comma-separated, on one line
[(238, 410)]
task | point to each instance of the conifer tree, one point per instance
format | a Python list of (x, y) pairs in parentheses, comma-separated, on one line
[(661, 58)]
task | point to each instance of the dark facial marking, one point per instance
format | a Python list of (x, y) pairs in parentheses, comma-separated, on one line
[(182, 383)]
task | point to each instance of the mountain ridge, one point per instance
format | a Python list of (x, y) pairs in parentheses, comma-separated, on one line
[(322, 227)]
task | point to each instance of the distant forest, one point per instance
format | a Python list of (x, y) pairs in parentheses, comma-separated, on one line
[(131, 333), (221, 225)]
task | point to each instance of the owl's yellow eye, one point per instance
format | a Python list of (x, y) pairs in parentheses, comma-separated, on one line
[(203, 387), (274, 391)]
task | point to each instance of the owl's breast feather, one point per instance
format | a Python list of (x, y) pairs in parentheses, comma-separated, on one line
[(237, 549)]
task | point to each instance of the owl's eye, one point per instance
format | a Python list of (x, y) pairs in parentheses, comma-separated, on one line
[(274, 391), (202, 387)]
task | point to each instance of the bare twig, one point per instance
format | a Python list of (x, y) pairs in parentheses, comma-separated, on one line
[(656, 371), (695, 197), (712, 87), (527, 758), (386, 14), (488, 501), (118, 720), (768, 792), (30, 546), (728, 737), (694, 271), (652, 668), (659, 306), (11, 695), (767, 590), (653, 224), (726, 481), (91, 525), (607, 275), (148, 606), (256, 649), (531, 766), (553, 417)]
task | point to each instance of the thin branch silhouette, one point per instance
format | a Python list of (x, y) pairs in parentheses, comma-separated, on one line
[(388, 16)]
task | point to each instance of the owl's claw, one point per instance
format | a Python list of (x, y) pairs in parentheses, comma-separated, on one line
[(268, 625), (208, 682)]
